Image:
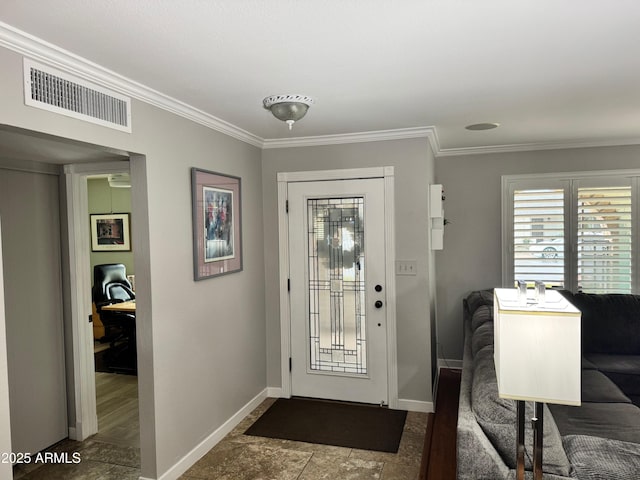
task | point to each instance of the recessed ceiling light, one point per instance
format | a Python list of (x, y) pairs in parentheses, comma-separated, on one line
[(482, 126)]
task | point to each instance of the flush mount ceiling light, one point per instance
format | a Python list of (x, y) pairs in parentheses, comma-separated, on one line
[(288, 108), (482, 126), (119, 180)]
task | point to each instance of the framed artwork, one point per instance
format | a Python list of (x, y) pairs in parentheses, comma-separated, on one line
[(110, 232), (217, 239)]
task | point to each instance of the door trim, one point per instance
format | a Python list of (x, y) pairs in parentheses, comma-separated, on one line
[(283, 178), (79, 246)]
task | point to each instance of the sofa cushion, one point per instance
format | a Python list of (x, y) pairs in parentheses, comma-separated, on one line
[(629, 364), (628, 383), (482, 337), (595, 458), (618, 421), (610, 322), (482, 315), (497, 418), (624, 370), (597, 387)]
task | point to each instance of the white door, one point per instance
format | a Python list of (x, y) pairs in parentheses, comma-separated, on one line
[(337, 290)]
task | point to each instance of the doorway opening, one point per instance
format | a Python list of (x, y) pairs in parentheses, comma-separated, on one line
[(112, 271), (49, 175)]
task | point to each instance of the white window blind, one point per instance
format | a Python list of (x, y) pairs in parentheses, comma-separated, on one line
[(538, 236), (604, 235)]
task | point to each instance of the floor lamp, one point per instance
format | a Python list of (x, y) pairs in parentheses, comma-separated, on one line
[(537, 354)]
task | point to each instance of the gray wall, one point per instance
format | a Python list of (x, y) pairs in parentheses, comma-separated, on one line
[(201, 344), (413, 163), (472, 255)]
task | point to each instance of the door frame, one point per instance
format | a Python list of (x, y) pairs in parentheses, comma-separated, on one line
[(283, 178), (79, 246)]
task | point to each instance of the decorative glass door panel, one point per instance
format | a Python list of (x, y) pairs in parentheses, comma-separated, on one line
[(337, 327), (337, 305)]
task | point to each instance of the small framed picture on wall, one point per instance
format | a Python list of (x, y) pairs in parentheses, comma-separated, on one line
[(110, 232)]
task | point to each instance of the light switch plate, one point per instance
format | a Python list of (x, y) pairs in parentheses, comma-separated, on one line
[(406, 267)]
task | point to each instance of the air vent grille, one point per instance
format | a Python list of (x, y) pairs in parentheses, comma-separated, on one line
[(56, 91)]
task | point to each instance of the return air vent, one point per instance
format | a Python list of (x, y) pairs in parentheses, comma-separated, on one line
[(56, 91)]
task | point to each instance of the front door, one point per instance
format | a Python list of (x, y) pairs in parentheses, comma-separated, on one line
[(337, 290)]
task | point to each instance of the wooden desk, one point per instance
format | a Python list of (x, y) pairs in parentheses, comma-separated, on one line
[(126, 307), (124, 357)]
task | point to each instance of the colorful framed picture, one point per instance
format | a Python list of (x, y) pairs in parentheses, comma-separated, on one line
[(217, 238), (110, 232)]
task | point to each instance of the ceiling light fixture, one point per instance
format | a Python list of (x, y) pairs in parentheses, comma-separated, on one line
[(119, 180), (482, 126), (288, 108)]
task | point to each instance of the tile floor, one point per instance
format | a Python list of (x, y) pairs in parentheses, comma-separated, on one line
[(243, 457), (98, 461)]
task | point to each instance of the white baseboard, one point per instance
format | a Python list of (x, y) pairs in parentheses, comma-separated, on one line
[(415, 405), (449, 363), (274, 392), (208, 443)]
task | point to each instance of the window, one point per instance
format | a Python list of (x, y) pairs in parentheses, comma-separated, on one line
[(572, 231)]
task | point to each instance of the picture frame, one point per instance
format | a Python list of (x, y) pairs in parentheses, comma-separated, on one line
[(110, 232), (217, 219)]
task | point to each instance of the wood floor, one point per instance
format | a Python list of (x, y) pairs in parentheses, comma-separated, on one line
[(439, 454), (111, 454), (117, 407)]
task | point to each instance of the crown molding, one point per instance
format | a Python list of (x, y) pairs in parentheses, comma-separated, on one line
[(530, 147), (38, 49), (33, 47), (30, 46), (374, 136)]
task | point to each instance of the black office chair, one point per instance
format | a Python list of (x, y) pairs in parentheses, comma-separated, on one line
[(110, 285)]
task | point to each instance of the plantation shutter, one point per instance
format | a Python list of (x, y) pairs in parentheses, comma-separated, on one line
[(604, 234), (538, 235)]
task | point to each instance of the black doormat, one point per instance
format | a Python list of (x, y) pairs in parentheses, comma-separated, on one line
[(332, 423)]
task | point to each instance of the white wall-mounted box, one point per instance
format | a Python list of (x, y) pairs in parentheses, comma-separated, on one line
[(436, 215), (436, 208)]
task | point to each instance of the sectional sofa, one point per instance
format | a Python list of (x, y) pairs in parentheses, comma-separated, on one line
[(597, 441)]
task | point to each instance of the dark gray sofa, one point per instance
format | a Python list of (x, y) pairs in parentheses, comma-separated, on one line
[(598, 440), (611, 337)]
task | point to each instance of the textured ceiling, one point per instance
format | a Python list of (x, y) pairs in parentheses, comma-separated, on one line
[(549, 72)]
